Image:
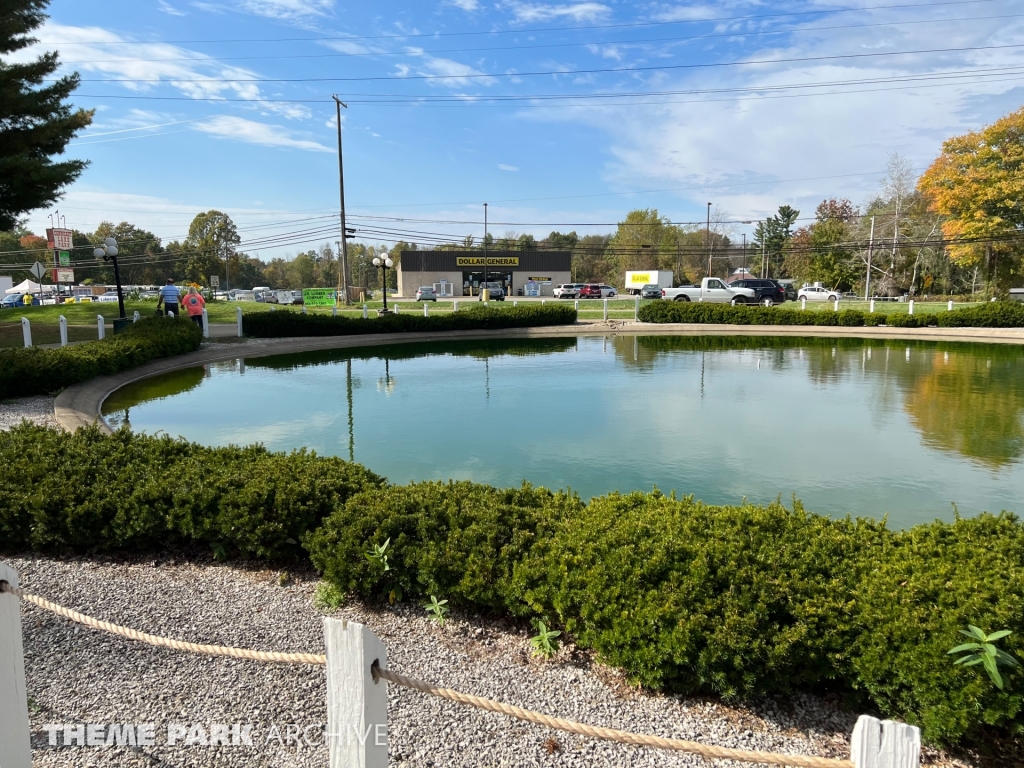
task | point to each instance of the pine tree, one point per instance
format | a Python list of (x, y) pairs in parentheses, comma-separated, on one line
[(36, 123)]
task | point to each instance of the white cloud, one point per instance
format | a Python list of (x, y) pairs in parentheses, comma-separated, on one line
[(467, 5), (503, 167), (689, 13), (453, 73), (169, 9), (530, 12), (606, 51), (346, 46), (287, 10), (252, 132), (145, 66)]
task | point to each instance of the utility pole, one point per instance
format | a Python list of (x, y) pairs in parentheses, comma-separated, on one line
[(707, 239), (485, 246), (744, 253), (871, 245), (338, 104)]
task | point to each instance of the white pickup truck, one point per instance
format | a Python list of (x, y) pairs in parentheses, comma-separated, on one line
[(710, 289)]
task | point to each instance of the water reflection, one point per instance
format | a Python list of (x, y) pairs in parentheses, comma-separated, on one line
[(116, 407)]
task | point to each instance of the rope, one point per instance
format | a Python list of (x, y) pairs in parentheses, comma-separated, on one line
[(610, 734), (597, 732), (165, 642)]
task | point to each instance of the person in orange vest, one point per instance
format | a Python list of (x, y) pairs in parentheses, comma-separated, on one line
[(194, 304)]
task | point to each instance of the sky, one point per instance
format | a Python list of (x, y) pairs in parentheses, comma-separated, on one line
[(559, 116)]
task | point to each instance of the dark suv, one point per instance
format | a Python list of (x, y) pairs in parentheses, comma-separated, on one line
[(592, 291), (766, 292)]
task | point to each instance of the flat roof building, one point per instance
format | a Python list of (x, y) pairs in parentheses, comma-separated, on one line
[(461, 273)]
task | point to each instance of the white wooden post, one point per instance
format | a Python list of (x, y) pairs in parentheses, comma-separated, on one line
[(170, 315), (366, 312), (577, 305), (26, 331), (101, 327), (456, 309), (238, 319), (334, 311), (272, 309), (949, 305), (206, 324), (803, 303), (543, 302), (911, 307), (396, 307), (885, 744), (136, 317), (606, 309), (357, 705), (425, 313), (515, 304), (63, 331), (303, 309), (15, 745), (835, 307), (636, 309)]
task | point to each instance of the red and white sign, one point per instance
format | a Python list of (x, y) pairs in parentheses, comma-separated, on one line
[(59, 239)]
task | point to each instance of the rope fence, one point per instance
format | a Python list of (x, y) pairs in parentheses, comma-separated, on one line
[(874, 744)]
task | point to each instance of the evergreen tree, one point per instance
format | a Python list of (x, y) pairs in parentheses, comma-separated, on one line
[(36, 123)]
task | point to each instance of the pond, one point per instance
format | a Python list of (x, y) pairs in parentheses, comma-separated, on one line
[(868, 428)]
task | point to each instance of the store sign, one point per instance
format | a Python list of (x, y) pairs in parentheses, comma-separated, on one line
[(640, 278), (540, 279), (58, 239), (318, 297), (490, 261), (63, 275), (64, 258)]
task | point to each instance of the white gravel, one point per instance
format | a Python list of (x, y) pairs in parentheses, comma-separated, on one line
[(35, 409), (78, 675)]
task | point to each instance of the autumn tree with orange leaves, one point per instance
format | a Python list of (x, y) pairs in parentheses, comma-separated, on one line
[(977, 184)]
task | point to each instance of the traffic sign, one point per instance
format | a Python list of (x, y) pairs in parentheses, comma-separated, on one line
[(214, 281), (38, 270)]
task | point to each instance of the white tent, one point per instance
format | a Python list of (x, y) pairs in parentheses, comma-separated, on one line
[(27, 286)]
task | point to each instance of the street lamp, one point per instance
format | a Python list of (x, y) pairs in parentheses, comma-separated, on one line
[(385, 264), (109, 253)]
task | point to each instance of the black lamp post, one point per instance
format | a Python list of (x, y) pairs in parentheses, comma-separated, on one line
[(109, 253), (385, 264)]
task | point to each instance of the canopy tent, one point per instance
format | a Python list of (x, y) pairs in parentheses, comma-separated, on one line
[(27, 286)]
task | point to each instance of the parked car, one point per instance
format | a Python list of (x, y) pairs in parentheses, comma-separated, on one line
[(496, 291), (607, 292), (566, 291), (297, 297), (651, 291), (426, 293), (817, 293), (590, 291), (12, 300), (766, 292), (711, 289)]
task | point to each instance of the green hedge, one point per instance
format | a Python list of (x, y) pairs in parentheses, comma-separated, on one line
[(38, 371), (1004, 314), (683, 596), (280, 324)]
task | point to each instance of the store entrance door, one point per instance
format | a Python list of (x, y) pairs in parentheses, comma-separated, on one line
[(472, 282)]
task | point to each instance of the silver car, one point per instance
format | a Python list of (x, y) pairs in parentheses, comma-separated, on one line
[(650, 291), (426, 293), (817, 293)]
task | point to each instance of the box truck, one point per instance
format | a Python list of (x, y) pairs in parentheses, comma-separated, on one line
[(638, 279)]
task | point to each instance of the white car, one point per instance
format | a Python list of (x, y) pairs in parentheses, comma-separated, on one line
[(607, 292), (426, 293), (815, 293), (567, 291)]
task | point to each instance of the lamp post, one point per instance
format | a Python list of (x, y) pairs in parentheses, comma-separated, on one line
[(385, 264), (109, 253)]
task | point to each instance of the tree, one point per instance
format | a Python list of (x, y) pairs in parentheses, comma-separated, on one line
[(977, 184), (212, 238), (35, 121), (771, 237), (822, 252)]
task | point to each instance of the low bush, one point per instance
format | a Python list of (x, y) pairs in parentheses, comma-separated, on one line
[(1006, 314), (284, 324), (91, 492), (37, 371), (688, 597)]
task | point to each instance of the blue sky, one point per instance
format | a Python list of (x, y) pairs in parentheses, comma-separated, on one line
[(558, 115)]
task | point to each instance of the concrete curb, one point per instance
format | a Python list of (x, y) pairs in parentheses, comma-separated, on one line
[(81, 404)]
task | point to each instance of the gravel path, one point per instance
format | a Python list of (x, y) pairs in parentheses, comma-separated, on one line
[(78, 675), (36, 409)]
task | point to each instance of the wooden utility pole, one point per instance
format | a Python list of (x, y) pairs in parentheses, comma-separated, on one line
[(871, 245), (338, 103)]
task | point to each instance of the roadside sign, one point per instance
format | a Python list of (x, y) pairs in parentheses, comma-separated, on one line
[(59, 239), (214, 281), (318, 297), (38, 270), (65, 275), (64, 259)]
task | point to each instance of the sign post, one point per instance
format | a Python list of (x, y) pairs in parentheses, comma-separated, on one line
[(318, 297), (38, 270)]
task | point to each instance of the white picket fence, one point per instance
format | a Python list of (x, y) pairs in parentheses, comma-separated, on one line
[(357, 699)]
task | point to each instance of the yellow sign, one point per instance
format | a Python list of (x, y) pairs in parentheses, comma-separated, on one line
[(492, 261), (640, 278)]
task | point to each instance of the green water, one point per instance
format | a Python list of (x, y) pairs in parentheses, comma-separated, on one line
[(861, 427)]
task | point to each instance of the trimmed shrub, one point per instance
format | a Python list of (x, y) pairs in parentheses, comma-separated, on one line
[(457, 539), (38, 371), (285, 324), (91, 492), (1005, 314)]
